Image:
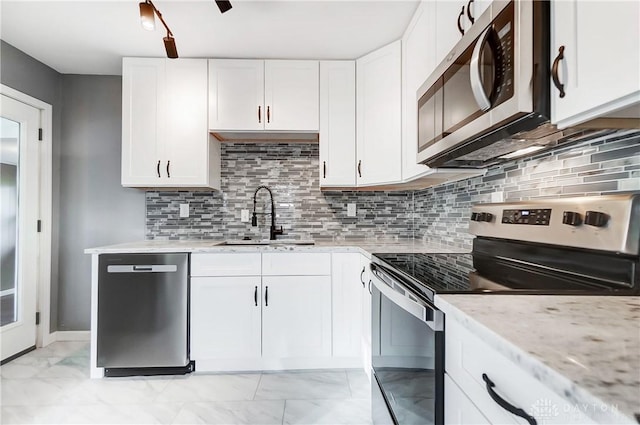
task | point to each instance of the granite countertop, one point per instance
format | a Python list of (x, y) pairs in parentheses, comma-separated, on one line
[(364, 246), (585, 348)]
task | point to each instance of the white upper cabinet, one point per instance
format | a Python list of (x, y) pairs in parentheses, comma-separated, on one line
[(337, 124), (601, 65), (256, 95), (236, 94), (448, 15), (379, 126), (418, 55), (165, 142)]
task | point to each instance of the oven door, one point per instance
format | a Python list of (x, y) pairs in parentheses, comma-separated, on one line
[(407, 353)]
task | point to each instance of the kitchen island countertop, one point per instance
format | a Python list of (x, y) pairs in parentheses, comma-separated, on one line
[(584, 348)]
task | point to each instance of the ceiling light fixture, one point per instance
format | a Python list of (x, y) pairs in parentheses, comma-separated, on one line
[(223, 5), (147, 10)]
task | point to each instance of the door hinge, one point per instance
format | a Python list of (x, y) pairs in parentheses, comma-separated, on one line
[(37, 317), (39, 226), (40, 134)]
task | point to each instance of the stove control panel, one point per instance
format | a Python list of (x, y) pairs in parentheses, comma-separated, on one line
[(536, 217)]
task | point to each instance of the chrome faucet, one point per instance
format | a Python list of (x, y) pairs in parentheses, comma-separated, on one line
[(273, 231)]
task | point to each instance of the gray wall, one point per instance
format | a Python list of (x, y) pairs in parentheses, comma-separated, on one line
[(90, 206), (95, 208), (24, 73)]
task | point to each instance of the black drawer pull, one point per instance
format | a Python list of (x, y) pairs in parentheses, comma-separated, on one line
[(505, 404), (255, 296)]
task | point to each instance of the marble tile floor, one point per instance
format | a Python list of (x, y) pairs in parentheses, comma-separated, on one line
[(52, 386)]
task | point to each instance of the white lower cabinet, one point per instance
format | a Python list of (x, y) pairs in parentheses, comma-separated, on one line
[(366, 315), (470, 361), (225, 317), (458, 409), (347, 284), (296, 316)]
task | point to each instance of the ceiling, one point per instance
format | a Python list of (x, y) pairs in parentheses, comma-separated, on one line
[(91, 36)]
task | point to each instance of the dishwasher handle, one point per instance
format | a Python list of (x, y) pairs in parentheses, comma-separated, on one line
[(142, 268)]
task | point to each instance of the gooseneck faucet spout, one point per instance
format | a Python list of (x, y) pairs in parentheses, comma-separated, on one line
[(273, 231)]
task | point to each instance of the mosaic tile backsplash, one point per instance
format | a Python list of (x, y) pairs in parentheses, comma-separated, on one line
[(440, 213)]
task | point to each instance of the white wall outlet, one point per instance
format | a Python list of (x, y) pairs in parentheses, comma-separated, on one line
[(184, 210), (244, 216), (497, 197), (351, 210)]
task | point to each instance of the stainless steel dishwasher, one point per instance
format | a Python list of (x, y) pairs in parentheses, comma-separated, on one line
[(143, 311)]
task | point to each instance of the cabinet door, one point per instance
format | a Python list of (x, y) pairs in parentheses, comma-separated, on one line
[(143, 96), (601, 61), (337, 123), (366, 316), (447, 32), (292, 95), (379, 126), (225, 317), (296, 316), (236, 94), (346, 295), (418, 55), (185, 161), (458, 409), (478, 7)]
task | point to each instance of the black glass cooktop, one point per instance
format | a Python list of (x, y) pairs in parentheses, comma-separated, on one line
[(441, 273)]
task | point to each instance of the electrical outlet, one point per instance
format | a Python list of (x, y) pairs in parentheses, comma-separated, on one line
[(351, 210), (244, 216), (184, 210)]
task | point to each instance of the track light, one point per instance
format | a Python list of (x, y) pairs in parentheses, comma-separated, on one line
[(147, 11), (223, 5)]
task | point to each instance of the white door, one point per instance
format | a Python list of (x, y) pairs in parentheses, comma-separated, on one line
[(296, 316), (458, 409), (366, 315), (447, 31), (236, 94), (346, 293), (225, 317), (292, 95), (379, 125), (19, 158)]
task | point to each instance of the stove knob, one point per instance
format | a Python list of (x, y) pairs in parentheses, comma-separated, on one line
[(571, 218), (486, 217), (596, 219), (474, 216)]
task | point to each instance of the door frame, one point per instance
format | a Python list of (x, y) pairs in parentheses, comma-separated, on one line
[(43, 298)]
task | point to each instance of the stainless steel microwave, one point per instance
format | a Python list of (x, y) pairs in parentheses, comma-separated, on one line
[(482, 102)]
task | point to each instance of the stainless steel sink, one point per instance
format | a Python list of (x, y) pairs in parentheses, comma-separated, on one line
[(268, 242)]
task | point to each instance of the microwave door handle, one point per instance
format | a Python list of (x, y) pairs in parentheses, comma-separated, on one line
[(474, 73)]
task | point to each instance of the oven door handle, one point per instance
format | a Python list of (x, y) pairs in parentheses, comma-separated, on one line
[(415, 307)]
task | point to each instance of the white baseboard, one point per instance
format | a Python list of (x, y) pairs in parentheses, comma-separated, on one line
[(70, 336)]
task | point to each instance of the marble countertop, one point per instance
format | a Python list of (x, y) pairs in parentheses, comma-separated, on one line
[(365, 246), (585, 348)]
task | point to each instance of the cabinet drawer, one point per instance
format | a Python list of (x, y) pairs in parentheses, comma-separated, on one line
[(225, 264), (296, 264), (467, 358)]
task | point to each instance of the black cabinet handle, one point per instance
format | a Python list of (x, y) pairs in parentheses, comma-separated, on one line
[(324, 169), (460, 16), (360, 168), (370, 287), (268, 114), (554, 71), (168, 165), (362, 280), (266, 296), (469, 15), (158, 169), (255, 296), (505, 404), (259, 114)]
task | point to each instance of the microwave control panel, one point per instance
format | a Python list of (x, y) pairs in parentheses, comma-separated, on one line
[(536, 217)]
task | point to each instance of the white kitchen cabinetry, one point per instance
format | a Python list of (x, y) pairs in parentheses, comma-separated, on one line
[(379, 126), (257, 95), (458, 409), (225, 317), (296, 317), (447, 33), (366, 315), (165, 142), (337, 124), (469, 359), (347, 286), (601, 66)]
